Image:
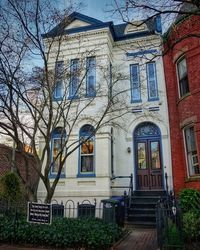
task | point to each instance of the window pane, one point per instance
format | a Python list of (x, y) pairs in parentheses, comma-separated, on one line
[(183, 77), (87, 129), (86, 163), (91, 76), (191, 150), (182, 68), (56, 151), (141, 151), (183, 85), (59, 69), (151, 71), (74, 78), (190, 139), (155, 155), (58, 90), (87, 147), (135, 82), (152, 89), (58, 138), (152, 81)]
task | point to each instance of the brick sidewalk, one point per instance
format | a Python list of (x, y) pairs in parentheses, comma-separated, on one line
[(139, 239)]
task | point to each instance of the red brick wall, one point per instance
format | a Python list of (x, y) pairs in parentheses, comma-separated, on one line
[(25, 168), (185, 111)]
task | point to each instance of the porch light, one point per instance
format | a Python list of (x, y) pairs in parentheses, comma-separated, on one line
[(174, 208), (129, 150)]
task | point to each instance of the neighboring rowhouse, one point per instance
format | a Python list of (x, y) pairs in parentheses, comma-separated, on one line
[(182, 74), (128, 55)]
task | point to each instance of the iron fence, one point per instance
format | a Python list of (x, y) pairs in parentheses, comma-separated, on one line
[(109, 211), (169, 226), (173, 230)]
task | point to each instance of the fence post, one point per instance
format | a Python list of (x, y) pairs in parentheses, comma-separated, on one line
[(166, 183), (15, 224), (159, 226)]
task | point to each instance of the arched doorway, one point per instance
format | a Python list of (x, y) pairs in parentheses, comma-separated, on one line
[(148, 157)]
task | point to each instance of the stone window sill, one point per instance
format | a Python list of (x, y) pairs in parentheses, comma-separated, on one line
[(193, 179), (183, 97)]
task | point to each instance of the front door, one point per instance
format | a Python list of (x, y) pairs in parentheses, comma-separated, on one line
[(148, 158)]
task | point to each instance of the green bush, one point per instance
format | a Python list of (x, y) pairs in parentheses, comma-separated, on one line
[(172, 237), (189, 199), (89, 233), (10, 187), (190, 203), (191, 225)]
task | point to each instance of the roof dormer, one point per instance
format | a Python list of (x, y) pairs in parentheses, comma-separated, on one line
[(135, 26)]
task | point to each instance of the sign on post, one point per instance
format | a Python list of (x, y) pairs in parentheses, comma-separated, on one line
[(39, 213)]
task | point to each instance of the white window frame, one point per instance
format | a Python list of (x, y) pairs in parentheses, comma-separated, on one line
[(188, 160), (137, 82), (178, 78), (59, 65), (156, 97), (56, 136)]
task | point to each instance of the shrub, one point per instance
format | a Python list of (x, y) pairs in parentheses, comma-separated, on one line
[(90, 233), (191, 225), (189, 199), (172, 237), (190, 203), (10, 187)]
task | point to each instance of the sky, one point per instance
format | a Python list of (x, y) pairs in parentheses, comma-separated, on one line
[(98, 9)]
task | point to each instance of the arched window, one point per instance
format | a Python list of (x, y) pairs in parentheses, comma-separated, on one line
[(58, 137), (87, 150)]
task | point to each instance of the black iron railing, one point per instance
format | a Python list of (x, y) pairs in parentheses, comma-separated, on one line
[(169, 224), (129, 187)]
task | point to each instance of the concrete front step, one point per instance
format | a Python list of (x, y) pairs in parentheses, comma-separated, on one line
[(140, 224), (149, 193), (142, 215), (142, 210)]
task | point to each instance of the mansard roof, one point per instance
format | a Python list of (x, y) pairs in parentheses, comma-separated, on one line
[(78, 22)]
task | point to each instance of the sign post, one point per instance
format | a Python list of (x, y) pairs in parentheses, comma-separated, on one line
[(39, 213)]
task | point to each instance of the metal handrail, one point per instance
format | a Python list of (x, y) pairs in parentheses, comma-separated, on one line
[(130, 186)]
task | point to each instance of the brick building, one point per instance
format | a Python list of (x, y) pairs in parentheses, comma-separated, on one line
[(24, 164), (181, 64)]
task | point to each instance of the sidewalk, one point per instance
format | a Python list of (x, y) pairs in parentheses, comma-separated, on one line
[(138, 239)]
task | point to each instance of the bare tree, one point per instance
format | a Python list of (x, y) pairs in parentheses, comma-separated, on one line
[(129, 9), (29, 108), (162, 14)]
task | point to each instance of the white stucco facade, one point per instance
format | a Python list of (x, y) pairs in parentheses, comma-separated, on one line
[(114, 155)]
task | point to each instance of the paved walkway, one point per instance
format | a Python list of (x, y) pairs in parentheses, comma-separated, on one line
[(138, 239)]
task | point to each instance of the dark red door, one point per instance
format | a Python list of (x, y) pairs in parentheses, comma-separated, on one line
[(148, 164)]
